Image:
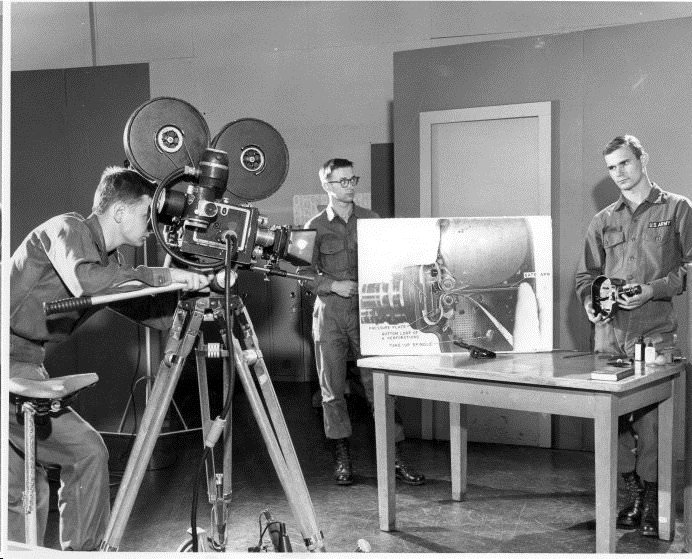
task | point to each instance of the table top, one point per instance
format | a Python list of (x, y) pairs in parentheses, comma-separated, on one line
[(559, 368)]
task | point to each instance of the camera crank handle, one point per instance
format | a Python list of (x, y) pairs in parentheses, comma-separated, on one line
[(80, 303)]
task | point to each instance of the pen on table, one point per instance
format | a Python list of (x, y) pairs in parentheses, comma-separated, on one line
[(580, 354)]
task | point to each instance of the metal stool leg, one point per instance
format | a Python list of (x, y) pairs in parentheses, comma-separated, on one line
[(30, 521)]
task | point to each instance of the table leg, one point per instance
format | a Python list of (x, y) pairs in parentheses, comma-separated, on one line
[(458, 439), (606, 447), (666, 481), (384, 442)]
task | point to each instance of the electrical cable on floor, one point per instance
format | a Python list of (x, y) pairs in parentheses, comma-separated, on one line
[(262, 531)]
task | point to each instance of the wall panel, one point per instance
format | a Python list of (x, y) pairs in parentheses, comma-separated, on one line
[(67, 126), (601, 82)]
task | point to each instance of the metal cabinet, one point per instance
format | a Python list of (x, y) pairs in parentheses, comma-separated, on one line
[(281, 313)]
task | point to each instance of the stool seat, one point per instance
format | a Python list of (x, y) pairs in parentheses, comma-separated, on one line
[(50, 389)]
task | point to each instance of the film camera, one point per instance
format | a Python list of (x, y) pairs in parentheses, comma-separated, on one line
[(605, 293), (205, 187)]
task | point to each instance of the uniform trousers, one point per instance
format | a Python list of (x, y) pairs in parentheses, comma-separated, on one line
[(336, 332), (638, 454), (70, 443)]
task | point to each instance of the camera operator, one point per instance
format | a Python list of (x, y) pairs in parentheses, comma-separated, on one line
[(70, 256), (335, 319), (645, 239)]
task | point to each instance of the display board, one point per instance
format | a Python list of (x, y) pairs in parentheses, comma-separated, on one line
[(426, 283)]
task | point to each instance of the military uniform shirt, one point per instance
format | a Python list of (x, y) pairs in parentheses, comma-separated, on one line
[(648, 246)]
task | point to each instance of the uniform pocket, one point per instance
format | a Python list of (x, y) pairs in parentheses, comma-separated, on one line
[(659, 235), (334, 255), (613, 239)]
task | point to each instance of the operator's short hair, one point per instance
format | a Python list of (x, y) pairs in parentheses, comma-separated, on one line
[(332, 165), (626, 140), (119, 184)]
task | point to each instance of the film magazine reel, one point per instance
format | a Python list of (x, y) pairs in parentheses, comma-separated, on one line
[(167, 134)]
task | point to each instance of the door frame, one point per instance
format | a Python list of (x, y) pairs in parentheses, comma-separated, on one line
[(543, 112), (540, 110)]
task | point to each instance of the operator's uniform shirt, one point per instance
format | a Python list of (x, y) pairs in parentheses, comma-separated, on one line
[(64, 257), (648, 246), (335, 319)]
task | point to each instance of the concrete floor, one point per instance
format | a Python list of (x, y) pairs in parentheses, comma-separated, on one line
[(520, 499)]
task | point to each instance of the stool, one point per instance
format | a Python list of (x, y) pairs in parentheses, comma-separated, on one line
[(33, 398)]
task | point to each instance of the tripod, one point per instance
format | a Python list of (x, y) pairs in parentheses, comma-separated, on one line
[(252, 371)]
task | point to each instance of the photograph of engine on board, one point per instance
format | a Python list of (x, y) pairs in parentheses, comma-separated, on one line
[(434, 285)]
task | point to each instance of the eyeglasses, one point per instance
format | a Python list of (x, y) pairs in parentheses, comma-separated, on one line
[(352, 181)]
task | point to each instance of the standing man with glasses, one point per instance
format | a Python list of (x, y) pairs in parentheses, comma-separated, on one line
[(335, 319)]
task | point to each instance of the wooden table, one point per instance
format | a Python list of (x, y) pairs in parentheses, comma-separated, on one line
[(552, 382)]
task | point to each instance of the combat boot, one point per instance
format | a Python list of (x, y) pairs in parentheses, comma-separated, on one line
[(407, 474), (650, 512), (630, 517), (404, 472), (343, 473)]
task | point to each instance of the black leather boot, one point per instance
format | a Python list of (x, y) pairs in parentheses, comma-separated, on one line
[(343, 473), (630, 517), (650, 512), (406, 473)]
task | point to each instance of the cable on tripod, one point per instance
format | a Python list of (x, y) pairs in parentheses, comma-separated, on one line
[(231, 240), (169, 180)]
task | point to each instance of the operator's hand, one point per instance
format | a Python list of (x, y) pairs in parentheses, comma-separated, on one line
[(345, 288), (591, 314), (194, 281), (629, 303)]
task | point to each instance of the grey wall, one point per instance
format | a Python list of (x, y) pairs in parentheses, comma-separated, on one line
[(323, 73), (630, 79), (64, 133), (320, 72)]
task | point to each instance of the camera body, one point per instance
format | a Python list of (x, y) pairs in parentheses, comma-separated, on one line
[(196, 224), (254, 237), (209, 242)]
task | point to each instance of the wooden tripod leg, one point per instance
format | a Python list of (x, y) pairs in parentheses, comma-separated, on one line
[(179, 345), (276, 436), (218, 484), (205, 412)]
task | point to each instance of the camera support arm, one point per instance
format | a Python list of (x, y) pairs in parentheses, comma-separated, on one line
[(275, 271)]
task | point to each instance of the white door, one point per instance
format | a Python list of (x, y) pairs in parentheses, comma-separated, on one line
[(487, 161)]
